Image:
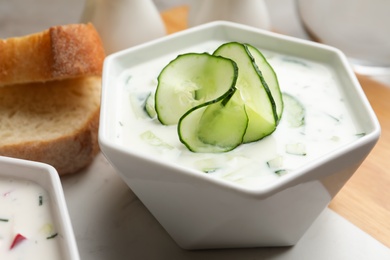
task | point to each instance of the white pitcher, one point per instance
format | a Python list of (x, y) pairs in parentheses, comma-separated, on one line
[(124, 23), (249, 12)]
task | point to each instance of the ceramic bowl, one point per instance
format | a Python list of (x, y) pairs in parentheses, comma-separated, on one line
[(54, 239), (201, 211)]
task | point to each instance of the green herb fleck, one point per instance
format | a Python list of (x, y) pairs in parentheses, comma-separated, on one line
[(333, 117), (128, 79), (360, 134), (4, 220), (296, 61), (40, 200), (52, 236)]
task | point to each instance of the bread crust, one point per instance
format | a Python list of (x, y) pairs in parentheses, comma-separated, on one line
[(61, 52), (68, 154), (54, 122), (50, 87)]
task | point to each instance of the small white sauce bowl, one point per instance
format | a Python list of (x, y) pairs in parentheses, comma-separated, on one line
[(203, 212), (46, 177)]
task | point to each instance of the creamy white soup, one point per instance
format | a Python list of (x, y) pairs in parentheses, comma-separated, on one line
[(328, 124), (27, 229)]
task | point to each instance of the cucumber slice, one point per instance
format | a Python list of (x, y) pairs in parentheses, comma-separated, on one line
[(216, 126), (190, 80), (270, 78), (259, 104), (294, 111)]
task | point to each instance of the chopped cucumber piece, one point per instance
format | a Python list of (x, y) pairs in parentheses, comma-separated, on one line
[(215, 126), (296, 149), (137, 101), (150, 138), (281, 172), (259, 104), (276, 162), (335, 138), (294, 111), (209, 165), (149, 106), (270, 78), (210, 170), (190, 80)]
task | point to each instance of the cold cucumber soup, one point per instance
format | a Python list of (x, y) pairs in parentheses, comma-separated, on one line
[(27, 229), (316, 120)]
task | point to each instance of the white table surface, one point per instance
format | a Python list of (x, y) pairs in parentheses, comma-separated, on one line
[(108, 219)]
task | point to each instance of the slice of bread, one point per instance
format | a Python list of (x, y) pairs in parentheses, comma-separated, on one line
[(61, 52), (54, 122)]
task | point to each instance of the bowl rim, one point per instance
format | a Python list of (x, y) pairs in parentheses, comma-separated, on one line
[(285, 181)]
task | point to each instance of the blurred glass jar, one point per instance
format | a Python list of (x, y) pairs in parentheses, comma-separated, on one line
[(248, 12), (124, 23), (359, 28)]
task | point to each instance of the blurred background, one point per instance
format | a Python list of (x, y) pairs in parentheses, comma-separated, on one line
[(20, 17)]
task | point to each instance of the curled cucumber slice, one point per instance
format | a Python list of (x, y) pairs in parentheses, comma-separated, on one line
[(216, 126), (269, 78), (190, 80), (218, 101), (257, 97)]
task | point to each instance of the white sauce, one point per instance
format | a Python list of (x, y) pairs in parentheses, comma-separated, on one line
[(25, 209), (328, 124)]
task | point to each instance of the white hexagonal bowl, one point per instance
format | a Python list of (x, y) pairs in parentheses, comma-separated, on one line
[(203, 212)]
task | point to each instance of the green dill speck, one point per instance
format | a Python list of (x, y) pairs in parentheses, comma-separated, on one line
[(4, 220), (296, 61), (360, 134), (52, 236), (128, 79), (333, 117), (40, 200)]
